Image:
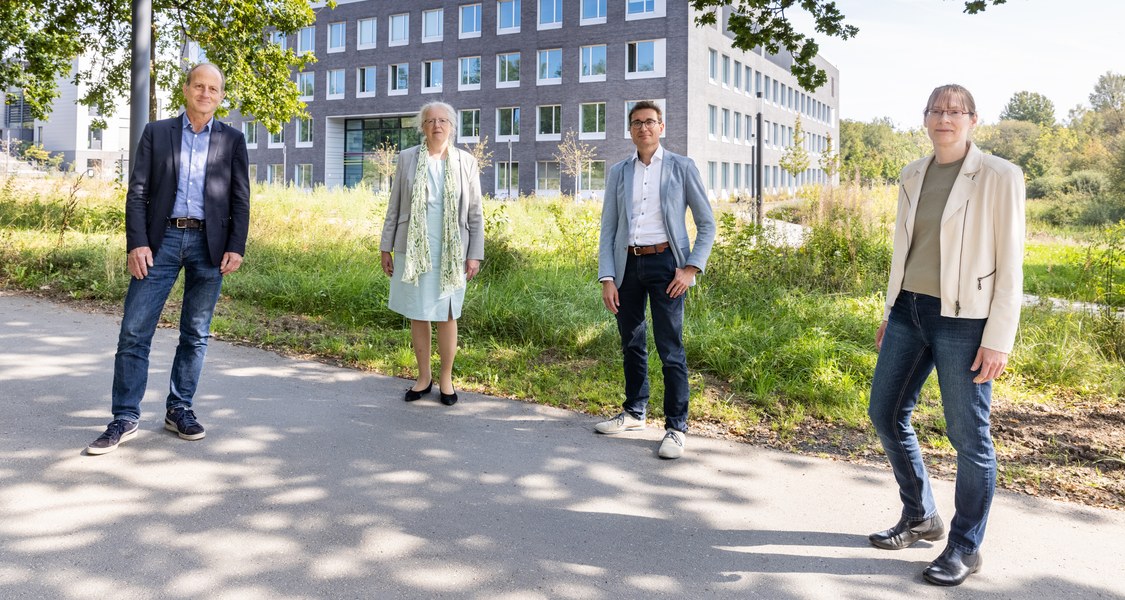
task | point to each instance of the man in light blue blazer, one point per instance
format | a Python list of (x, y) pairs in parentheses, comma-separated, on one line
[(645, 255)]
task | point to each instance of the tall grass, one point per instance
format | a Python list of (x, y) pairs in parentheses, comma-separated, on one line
[(773, 331)]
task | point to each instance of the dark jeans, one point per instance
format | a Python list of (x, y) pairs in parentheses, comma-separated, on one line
[(182, 249), (646, 279), (917, 340)]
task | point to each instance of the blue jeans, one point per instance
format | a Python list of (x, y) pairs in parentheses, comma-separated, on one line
[(181, 249), (918, 340), (645, 281)]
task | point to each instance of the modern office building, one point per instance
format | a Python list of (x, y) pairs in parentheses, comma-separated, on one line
[(523, 73)]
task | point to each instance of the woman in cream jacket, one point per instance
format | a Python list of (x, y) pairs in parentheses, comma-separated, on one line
[(953, 304)]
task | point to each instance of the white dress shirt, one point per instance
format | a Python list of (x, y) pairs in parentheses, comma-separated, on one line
[(646, 224)]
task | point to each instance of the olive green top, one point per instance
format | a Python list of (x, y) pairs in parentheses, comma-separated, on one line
[(923, 262)]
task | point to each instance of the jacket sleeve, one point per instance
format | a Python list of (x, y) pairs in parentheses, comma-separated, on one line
[(390, 224), (702, 214), (476, 212), (1009, 198), (610, 219), (239, 197), (138, 196)]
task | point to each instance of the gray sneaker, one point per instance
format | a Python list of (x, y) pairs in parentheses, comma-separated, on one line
[(672, 446), (622, 422), (118, 431)]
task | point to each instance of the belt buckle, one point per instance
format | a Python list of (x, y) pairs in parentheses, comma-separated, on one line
[(637, 251), (181, 223)]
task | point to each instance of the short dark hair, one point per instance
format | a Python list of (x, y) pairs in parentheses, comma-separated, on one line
[(643, 104), (222, 77)]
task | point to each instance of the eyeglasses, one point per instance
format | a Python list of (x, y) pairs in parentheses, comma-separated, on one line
[(442, 122), (934, 113), (647, 124)]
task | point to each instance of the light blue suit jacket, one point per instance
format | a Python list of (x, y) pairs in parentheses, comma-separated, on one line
[(681, 188)]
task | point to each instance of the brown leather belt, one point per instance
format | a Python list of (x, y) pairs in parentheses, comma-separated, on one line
[(185, 223), (643, 250)]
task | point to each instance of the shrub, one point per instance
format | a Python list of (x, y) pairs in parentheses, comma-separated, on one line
[(1045, 186), (1086, 182)]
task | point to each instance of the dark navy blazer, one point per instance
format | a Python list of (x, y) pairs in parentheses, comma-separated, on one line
[(155, 175)]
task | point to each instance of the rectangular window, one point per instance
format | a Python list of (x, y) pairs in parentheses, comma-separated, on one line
[(508, 124), (737, 182), (275, 174), (726, 70), (365, 81), (433, 25), (508, 179), (470, 124), (306, 39), (469, 70), (712, 121), (550, 14), (252, 172), (593, 176), (399, 30), (713, 66), (366, 29), (306, 85), (550, 67), (550, 123), (548, 176), (250, 131), (726, 123), (593, 12), (593, 63), (335, 84), (593, 121), (644, 59), (726, 176), (398, 81), (737, 128), (508, 16), (643, 9), (304, 133), (508, 70), (337, 36), (302, 176), (431, 76), (277, 140), (279, 38), (749, 80), (737, 76), (470, 21), (711, 179)]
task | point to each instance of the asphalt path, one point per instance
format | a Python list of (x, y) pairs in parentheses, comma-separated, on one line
[(320, 482)]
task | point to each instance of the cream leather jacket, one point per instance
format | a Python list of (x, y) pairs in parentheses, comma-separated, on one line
[(982, 235)]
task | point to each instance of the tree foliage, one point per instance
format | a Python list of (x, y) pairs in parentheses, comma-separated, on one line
[(765, 24), (573, 156), (1108, 99), (829, 160), (39, 40), (1030, 106), (795, 159), (875, 152)]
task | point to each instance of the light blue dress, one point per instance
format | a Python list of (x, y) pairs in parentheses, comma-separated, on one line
[(423, 302)]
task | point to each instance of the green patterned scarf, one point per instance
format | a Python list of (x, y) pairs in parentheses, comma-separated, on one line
[(418, 243)]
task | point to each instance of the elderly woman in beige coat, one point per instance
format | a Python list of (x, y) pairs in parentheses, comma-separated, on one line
[(433, 243)]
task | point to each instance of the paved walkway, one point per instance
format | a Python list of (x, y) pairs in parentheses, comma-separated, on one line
[(319, 482)]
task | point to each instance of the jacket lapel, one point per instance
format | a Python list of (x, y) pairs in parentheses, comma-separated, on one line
[(176, 136), (965, 185), (627, 196)]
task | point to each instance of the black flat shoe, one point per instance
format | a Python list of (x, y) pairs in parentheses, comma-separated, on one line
[(412, 395), (953, 567), (448, 399), (908, 531)]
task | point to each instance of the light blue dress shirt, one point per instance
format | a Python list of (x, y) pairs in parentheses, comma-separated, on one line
[(193, 170)]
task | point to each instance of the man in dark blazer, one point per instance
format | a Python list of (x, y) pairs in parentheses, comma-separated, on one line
[(187, 208), (646, 256)]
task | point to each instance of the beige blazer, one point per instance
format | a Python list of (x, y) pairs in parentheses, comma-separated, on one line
[(982, 237), (470, 216)]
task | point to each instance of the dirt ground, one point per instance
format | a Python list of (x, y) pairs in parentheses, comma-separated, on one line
[(1075, 453)]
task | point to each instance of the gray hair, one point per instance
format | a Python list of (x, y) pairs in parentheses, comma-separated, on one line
[(203, 65), (427, 107)]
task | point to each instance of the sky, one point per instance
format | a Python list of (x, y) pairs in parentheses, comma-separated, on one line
[(905, 48)]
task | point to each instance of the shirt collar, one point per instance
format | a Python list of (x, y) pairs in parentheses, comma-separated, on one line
[(187, 124), (658, 155)]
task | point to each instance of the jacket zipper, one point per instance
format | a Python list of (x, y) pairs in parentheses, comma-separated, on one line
[(960, 260), (982, 278)]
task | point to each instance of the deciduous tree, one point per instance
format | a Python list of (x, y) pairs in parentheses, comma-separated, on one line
[(795, 159), (1030, 106), (573, 156)]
